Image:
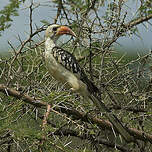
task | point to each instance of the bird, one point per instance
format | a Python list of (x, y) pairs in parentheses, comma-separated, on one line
[(64, 67)]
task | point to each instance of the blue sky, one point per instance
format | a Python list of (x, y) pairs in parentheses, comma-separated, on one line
[(20, 26)]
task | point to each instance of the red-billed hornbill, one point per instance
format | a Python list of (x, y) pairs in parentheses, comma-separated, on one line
[(64, 67)]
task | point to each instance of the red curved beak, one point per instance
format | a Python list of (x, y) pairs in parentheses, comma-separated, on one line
[(65, 30)]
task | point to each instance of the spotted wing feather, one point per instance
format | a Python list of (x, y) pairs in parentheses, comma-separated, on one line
[(67, 60)]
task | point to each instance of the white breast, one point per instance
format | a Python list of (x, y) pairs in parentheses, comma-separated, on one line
[(59, 72)]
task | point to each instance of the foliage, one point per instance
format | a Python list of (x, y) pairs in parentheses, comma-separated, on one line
[(7, 13)]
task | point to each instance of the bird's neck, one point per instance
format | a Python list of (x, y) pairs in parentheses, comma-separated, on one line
[(49, 44)]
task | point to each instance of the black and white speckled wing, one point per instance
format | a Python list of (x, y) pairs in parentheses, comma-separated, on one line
[(67, 60)]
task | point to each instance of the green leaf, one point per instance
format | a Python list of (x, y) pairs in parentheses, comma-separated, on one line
[(45, 22)]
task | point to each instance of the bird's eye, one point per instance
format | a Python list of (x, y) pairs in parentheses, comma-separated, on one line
[(54, 29)]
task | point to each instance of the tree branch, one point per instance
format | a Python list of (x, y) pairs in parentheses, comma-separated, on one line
[(127, 27), (74, 133), (140, 135), (138, 21), (21, 96)]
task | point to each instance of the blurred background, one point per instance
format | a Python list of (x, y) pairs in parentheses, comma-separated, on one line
[(46, 10)]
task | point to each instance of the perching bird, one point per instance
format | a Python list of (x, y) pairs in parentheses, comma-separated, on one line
[(64, 67)]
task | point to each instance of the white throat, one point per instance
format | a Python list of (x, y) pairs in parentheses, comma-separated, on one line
[(49, 44)]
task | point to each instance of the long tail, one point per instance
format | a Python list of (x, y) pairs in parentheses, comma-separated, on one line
[(95, 97), (112, 118)]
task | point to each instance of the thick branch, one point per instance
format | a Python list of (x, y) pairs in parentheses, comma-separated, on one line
[(139, 21), (67, 132), (72, 112), (21, 96)]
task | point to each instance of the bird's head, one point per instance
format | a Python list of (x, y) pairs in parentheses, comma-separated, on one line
[(54, 31)]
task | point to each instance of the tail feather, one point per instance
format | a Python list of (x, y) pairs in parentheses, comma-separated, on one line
[(96, 99), (91, 87), (112, 118)]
